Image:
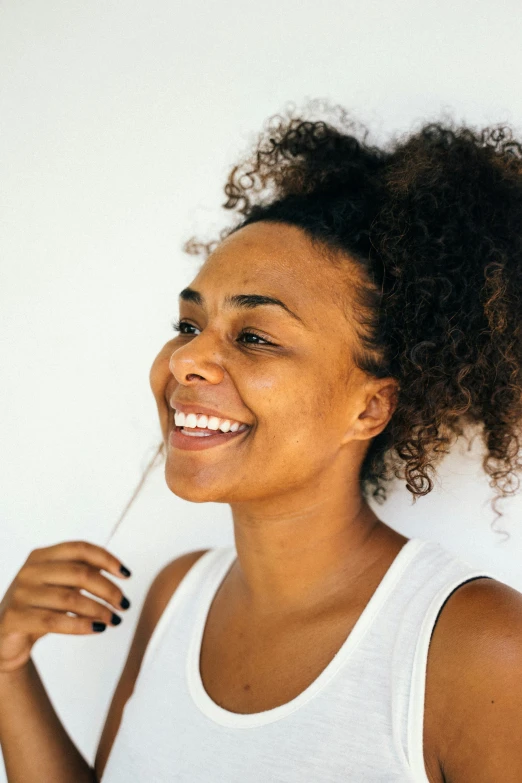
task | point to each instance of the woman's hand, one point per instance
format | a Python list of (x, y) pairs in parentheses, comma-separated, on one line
[(47, 587)]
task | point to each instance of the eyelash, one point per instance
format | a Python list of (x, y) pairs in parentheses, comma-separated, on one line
[(176, 325)]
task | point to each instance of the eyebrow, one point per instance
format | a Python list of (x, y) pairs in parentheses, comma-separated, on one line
[(239, 301)]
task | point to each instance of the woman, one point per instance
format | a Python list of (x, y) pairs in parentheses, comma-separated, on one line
[(364, 308)]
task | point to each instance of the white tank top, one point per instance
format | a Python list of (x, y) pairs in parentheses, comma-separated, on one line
[(360, 720)]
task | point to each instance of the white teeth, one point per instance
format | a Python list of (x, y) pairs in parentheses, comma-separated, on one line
[(192, 420)]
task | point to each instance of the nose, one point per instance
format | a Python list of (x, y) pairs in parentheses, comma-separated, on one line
[(195, 362)]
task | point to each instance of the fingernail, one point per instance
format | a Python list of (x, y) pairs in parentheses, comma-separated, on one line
[(125, 571), (115, 620), (98, 626), (124, 603)]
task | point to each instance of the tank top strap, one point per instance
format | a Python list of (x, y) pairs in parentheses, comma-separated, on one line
[(193, 588), (434, 574)]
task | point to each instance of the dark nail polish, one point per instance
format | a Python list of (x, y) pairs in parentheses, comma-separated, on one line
[(98, 626), (124, 603), (125, 571), (115, 620)]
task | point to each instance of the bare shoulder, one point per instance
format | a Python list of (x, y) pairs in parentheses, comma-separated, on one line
[(158, 595), (161, 590), (474, 684)]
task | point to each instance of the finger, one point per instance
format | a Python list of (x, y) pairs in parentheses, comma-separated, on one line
[(82, 551), (65, 599), (33, 621), (73, 574)]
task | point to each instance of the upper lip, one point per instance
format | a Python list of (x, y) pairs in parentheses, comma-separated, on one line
[(187, 407)]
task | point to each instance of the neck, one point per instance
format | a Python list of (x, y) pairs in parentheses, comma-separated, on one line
[(299, 554)]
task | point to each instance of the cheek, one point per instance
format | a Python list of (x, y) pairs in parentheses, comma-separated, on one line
[(297, 407), (298, 428), (313, 421)]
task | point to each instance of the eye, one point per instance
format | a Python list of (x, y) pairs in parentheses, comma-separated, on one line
[(178, 326)]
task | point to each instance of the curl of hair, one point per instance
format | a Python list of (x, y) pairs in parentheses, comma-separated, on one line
[(432, 222)]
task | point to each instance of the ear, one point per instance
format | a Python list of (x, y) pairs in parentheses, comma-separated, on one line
[(377, 405)]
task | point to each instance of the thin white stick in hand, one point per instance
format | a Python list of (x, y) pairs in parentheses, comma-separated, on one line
[(131, 501)]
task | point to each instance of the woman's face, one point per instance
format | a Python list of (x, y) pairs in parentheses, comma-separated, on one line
[(299, 394)]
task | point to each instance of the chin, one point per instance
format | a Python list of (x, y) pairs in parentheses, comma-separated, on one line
[(202, 487), (193, 488)]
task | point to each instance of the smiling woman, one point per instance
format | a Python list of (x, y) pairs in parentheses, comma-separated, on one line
[(362, 312), (355, 322)]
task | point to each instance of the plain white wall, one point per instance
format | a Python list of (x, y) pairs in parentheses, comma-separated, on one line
[(120, 121)]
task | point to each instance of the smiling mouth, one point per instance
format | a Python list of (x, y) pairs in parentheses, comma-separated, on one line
[(206, 421), (207, 432)]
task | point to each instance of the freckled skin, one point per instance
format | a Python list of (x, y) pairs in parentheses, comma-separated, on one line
[(301, 526)]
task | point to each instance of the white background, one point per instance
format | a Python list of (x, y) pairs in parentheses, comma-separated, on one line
[(120, 122)]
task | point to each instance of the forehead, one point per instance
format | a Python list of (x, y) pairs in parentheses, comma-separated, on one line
[(275, 259)]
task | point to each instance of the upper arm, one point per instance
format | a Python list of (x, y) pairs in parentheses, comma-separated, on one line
[(481, 677), (158, 595)]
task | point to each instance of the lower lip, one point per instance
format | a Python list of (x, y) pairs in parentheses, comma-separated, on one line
[(196, 443)]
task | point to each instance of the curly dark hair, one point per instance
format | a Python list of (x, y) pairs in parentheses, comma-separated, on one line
[(433, 221)]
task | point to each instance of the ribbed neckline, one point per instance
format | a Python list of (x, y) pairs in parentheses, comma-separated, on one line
[(223, 559)]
